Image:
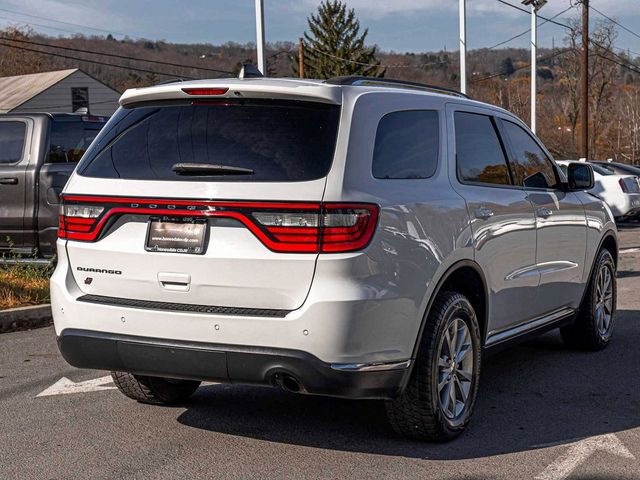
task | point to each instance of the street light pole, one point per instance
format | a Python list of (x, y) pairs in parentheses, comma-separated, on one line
[(535, 6), (260, 36), (463, 45), (534, 64)]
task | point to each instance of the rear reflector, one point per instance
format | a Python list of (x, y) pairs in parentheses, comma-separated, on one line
[(285, 227), (205, 91)]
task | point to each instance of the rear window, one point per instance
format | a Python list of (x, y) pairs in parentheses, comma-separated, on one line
[(11, 141), (68, 140), (479, 153), (284, 141), (407, 145)]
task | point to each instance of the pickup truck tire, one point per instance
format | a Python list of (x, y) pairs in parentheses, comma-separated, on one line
[(593, 326), (154, 390), (419, 412)]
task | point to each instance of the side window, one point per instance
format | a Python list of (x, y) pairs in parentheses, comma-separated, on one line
[(407, 145), (480, 157), (531, 166), (11, 141)]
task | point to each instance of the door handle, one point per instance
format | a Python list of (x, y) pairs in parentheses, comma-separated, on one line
[(483, 213), (8, 181), (544, 212)]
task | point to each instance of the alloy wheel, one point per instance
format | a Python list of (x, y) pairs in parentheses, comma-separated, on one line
[(604, 301), (455, 368)]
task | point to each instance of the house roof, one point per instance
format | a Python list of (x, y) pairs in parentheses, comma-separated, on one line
[(14, 91)]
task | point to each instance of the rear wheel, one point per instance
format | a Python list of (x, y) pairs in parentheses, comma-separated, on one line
[(154, 390), (438, 401), (593, 327)]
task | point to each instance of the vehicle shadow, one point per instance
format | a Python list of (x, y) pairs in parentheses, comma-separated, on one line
[(531, 396)]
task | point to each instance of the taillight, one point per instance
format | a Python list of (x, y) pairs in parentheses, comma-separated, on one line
[(623, 185), (346, 228), (284, 227), (333, 228), (77, 220)]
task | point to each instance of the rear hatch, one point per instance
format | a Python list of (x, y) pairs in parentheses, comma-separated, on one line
[(213, 202)]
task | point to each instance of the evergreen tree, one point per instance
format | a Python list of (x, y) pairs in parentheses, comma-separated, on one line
[(507, 67), (334, 45)]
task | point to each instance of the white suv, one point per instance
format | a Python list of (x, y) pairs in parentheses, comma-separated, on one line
[(352, 237)]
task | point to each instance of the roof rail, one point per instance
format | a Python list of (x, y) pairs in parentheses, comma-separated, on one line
[(384, 82)]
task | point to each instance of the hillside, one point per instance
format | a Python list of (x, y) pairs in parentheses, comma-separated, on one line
[(498, 76)]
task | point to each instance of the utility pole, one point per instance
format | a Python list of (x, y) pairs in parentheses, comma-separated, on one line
[(463, 45), (260, 36), (584, 81), (301, 57)]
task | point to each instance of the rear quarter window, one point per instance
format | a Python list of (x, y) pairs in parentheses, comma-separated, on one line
[(68, 141), (280, 141), (407, 145)]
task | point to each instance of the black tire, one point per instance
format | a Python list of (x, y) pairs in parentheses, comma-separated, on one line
[(154, 390), (585, 333), (418, 413)]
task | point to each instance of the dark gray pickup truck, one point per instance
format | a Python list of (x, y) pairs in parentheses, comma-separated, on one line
[(38, 152)]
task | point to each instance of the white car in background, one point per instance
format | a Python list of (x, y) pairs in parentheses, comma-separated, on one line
[(620, 192)]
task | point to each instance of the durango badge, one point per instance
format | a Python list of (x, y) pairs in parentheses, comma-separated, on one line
[(99, 270)]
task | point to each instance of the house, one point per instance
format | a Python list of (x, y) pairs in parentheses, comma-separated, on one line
[(59, 91)]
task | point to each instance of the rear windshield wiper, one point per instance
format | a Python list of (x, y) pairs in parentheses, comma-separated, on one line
[(207, 169)]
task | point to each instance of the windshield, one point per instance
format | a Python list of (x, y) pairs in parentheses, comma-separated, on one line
[(277, 141)]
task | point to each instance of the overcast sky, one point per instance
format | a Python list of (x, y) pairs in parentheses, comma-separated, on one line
[(400, 25)]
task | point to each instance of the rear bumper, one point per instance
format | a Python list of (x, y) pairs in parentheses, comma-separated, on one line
[(224, 363)]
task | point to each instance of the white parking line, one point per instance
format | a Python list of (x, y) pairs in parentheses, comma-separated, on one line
[(65, 386), (629, 250), (579, 452)]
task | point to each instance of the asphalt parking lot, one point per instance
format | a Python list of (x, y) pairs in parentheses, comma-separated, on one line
[(544, 412)]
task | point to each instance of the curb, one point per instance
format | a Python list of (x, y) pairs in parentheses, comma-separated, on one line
[(25, 318)]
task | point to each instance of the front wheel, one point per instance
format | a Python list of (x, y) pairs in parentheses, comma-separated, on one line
[(438, 401), (593, 327)]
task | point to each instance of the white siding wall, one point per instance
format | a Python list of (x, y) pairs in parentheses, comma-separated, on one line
[(102, 99)]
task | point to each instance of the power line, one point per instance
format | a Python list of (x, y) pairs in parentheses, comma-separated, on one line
[(529, 30), (614, 21), (528, 65), (619, 63), (550, 20), (64, 23), (114, 55), (12, 20), (96, 62), (50, 107), (381, 65)]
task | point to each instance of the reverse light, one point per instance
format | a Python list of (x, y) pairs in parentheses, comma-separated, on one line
[(205, 91), (82, 211)]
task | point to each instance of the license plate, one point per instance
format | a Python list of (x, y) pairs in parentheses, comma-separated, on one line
[(176, 236)]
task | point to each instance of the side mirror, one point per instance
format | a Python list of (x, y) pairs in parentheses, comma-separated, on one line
[(580, 176)]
